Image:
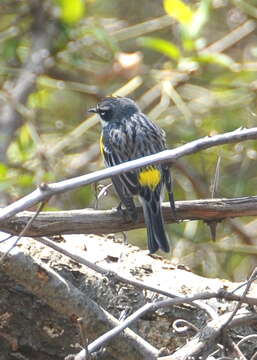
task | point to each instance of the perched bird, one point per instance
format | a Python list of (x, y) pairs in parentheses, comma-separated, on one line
[(127, 134)]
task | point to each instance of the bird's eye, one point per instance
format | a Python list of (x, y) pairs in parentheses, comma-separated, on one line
[(105, 114)]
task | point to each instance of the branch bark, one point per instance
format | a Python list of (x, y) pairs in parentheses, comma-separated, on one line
[(66, 299), (206, 340), (167, 156), (89, 221), (31, 265)]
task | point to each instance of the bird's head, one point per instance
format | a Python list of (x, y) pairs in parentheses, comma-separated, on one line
[(115, 109)]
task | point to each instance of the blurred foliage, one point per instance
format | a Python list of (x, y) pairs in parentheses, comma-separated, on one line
[(71, 12), (179, 10), (190, 65)]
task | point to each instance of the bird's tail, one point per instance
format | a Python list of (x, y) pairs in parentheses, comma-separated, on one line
[(157, 238)]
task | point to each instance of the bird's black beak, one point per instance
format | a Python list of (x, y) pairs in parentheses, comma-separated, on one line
[(92, 110)]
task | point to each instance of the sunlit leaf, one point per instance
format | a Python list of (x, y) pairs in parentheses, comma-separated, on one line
[(3, 171), (200, 17), (22, 50), (39, 99), (179, 10), (163, 46), (47, 177), (23, 148), (72, 11), (26, 180), (14, 152), (188, 43), (25, 138), (51, 208), (219, 59)]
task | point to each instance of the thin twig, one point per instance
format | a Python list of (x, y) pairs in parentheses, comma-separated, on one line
[(83, 337), (183, 327), (70, 301), (76, 133), (105, 338), (247, 338), (215, 183), (27, 226), (7, 238), (231, 38), (238, 305)]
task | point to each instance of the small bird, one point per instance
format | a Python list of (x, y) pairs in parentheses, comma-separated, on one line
[(127, 134)]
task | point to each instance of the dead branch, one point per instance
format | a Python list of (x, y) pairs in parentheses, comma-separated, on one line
[(66, 299), (205, 342), (117, 277), (89, 221), (231, 38), (167, 156), (25, 266)]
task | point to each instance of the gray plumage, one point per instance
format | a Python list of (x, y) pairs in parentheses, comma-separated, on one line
[(128, 134)]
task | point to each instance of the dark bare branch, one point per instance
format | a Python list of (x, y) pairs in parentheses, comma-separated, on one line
[(90, 221), (206, 340), (66, 299), (167, 156)]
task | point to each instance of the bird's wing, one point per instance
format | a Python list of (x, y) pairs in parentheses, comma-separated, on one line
[(125, 184), (135, 138)]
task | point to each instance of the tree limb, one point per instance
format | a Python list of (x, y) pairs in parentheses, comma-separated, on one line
[(27, 266), (66, 299), (90, 221), (206, 340), (167, 156)]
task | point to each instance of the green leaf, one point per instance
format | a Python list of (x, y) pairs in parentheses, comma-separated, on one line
[(48, 177), (3, 171), (26, 180), (179, 10), (163, 46), (200, 17), (39, 99), (25, 137), (10, 49), (72, 10), (216, 58)]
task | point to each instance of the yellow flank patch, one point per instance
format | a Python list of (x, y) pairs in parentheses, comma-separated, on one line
[(101, 145), (150, 177)]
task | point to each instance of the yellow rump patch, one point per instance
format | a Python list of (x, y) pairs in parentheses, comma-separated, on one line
[(150, 177)]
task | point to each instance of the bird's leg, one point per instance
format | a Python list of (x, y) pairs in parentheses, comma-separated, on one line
[(119, 207), (129, 210), (122, 211)]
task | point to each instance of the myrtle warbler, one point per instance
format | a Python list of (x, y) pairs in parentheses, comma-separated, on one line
[(127, 134)]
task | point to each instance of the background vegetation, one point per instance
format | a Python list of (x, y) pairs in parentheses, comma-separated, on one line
[(192, 68)]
